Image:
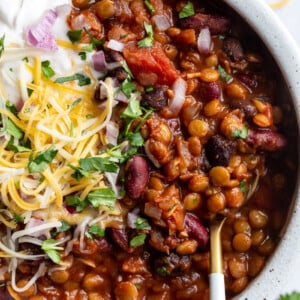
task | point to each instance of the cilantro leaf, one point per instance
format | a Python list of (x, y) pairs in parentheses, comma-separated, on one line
[(82, 80), (104, 196), (51, 249), (82, 55), (133, 110), (187, 10), (135, 139), (240, 133), (141, 223), (127, 87), (64, 227), (102, 164), (138, 240), (41, 161), (18, 218), (149, 6), (13, 129), (223, 74), (126, 68), (75, 36), (22, 147), (79, 173), (94, 42), (76, 202), (47, 71), (10, 107), (2, 44), (96, 230), (148, 40), (162, 271), (293, 296)]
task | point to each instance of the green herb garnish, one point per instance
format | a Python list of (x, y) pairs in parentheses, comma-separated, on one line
[(187, 10), (147, 42), (51, 249), (138, 240), (75, 201), (293, 296), (82, 80), (223, 74), (240, 133), (141, 223), (149, 7), (42, 159), (2, 44), (102, 197), (96, 230), (47, 71), (75, 36), (82, 55), (133, 110)]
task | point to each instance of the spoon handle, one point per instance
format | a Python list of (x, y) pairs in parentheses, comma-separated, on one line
[(216, 286)]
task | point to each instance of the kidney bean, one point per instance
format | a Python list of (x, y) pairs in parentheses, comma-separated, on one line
[(219, 150), (137, 175), (196, 229), (266, 139), (120, 237), (216, 24), (233, 49), (209, 91), (248, 79)]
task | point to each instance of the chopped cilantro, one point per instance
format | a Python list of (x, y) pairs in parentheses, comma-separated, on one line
[(71, 134), (104, 196), (2, 44), (223, 74), (135, 139), (187, 10), (64, 227), (51, 249), (94, 42), (242, 186), (293, 296), (133, 110), (13, 129), (126, 68), (96, 230), (75, 36), (102, 164), (18, 218), (149, 89), (75, 201), (148, 40), (127, 87), (17, 148), (141, 223), (74, 104), (240, 133), (149, 6), (25, 59), (42, 159), (9, 106), (47, 71), (82, 55), (162, 271), (82, 80), (138, 240)]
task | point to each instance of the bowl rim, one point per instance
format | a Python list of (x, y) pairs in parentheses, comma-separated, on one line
[(286, 53)]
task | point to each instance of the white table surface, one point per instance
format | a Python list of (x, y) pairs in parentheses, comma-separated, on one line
[(289, 14)]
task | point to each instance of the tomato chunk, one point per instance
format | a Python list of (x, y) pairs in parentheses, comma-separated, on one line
[(150, 66)]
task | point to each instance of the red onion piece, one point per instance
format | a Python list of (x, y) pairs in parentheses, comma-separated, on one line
[(112, 133), (115, 45), (151, 156), (39, 34), (162, 22), (204, 41), (179, 88), (99, 63), (120, 96)]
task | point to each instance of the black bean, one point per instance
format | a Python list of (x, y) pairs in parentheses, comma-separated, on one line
[(157, 98)]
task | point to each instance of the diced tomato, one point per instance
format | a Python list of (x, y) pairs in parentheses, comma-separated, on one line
[(150, 66)]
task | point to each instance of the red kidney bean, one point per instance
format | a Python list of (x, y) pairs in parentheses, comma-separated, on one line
[(196, 230), (245, 105), (216, 24), (137, 175), (210, 91), (267, 140), (120, 237), (248, 79)]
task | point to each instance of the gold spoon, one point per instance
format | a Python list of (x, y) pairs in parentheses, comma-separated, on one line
[(216, 276)]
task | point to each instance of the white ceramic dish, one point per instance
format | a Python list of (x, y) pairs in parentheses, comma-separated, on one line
[(272, 280)]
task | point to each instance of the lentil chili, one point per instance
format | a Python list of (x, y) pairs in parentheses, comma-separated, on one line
[(206, 121)]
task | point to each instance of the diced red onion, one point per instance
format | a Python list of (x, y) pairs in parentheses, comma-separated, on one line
[(39, 34), (112, 133), (115, 45), (152, 211), (151, 156), (33, 222), (131, 220), (120, 96), (179, 89), (80, 22), (204, 41), (162, 22), (113, 65), (99, 63)]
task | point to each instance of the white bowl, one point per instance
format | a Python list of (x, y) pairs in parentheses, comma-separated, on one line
[(271, 281)]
